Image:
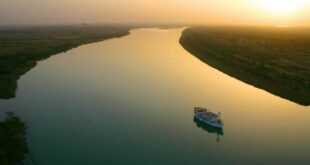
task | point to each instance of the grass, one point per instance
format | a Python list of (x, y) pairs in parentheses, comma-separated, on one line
[(22, 47), (274, 59)]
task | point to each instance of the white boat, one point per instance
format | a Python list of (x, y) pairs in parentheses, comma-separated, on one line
[(209, 118)]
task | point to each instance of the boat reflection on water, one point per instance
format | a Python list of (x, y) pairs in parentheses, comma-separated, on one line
[(212, 130)]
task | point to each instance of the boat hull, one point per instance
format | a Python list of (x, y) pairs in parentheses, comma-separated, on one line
[(213, 124)]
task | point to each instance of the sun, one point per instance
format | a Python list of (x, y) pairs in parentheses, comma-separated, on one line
[(281, 6)]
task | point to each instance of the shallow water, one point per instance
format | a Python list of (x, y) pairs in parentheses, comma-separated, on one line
[(130, 101)]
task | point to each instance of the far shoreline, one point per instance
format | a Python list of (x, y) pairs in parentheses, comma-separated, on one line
[(16, 60), (212, 46), (39, 43)]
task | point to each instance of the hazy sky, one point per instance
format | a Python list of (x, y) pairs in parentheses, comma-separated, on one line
[(154, 11)]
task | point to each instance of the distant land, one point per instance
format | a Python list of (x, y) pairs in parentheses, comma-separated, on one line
[(274, 59), (22, 47)]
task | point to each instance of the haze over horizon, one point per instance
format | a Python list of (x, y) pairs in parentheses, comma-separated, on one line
[(224, 12)]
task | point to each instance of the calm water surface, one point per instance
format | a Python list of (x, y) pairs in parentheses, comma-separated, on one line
[(130, 101)]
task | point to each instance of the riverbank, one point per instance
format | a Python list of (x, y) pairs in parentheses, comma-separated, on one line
[(22, 47), (274, 59)]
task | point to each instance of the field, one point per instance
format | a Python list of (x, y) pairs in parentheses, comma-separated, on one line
[(274, 59), (22, 47)]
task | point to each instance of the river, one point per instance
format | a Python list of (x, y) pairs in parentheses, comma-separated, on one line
[(130, 100)]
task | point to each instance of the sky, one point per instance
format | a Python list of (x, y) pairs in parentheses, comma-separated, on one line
[(212, 12)]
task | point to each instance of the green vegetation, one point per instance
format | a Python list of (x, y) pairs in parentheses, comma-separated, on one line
[(13, 144), (22, 47), (274, 59)]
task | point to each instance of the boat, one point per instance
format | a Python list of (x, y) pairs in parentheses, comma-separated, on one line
[(208, 128), (207, 117)]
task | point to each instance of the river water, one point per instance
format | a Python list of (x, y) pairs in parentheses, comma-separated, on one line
[(130, 101)]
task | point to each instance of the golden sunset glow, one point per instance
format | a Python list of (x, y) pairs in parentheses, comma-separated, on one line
[(219, 12), (282, 6)]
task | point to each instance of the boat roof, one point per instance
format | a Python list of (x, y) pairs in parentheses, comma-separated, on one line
[(200, 108), (206, 112)]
